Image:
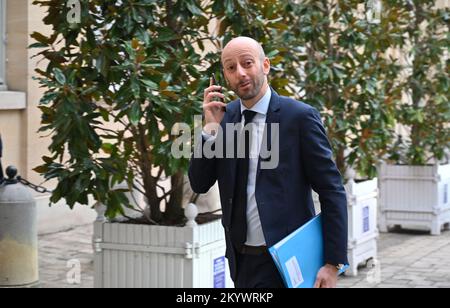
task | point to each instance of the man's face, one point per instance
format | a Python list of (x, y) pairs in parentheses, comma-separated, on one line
[(244, 71)]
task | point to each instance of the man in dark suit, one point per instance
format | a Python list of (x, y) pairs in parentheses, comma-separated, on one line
[(263, 205)]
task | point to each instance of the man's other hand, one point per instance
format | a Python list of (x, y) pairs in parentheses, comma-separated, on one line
[(327, 277)]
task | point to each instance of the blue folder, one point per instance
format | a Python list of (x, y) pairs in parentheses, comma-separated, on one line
[(300, 255)]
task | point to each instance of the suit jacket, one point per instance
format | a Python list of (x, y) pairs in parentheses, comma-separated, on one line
[(283, 194)]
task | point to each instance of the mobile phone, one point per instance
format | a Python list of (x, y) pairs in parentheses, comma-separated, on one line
[(214, 83)]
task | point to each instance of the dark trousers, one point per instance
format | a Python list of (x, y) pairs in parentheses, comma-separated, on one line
[(257, 271)]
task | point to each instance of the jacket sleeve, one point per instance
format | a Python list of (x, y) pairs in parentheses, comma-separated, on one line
[(202, 171), (325, 179)]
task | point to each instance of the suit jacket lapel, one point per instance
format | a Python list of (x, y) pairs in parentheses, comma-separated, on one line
[(235, 117), (273, 117)]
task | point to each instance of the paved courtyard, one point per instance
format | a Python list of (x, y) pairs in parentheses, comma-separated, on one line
[(407, 259), (62, 254)]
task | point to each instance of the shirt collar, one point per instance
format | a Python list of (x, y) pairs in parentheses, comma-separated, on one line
[(262, 105)]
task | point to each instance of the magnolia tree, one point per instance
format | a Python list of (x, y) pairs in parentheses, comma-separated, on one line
[(347, 75), (120, 75), (117, 82), (424, 82)]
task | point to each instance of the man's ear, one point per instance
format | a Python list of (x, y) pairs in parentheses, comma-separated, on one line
[(266, 66)]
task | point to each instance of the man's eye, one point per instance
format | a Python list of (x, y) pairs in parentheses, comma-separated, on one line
[(230, 68)]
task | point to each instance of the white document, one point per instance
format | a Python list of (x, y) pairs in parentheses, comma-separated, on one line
[(294, 271)]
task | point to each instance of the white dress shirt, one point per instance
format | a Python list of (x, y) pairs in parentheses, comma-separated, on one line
[(255, 235)]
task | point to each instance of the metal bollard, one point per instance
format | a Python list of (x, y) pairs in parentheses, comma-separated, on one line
[(18, 233)]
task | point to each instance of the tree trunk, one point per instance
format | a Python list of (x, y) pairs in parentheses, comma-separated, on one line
[(417, 70), (174, 210), (150, 183), (340, 161)]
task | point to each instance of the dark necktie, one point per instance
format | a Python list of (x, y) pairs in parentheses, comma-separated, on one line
[(238, 228)]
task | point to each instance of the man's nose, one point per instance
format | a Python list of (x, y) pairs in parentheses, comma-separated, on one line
[(241, 71)]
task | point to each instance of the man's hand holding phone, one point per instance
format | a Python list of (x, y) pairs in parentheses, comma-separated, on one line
[(213, 110)]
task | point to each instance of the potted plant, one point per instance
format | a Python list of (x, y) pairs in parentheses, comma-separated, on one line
[(415, 180), (344, 76), (118, 81)]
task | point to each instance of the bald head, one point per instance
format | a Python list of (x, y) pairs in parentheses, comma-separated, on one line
[(246, 68), (243, 43)]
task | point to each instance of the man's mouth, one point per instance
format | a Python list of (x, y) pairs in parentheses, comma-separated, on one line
[(245, 84)]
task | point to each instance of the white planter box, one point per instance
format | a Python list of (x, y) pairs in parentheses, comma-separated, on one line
[(362, 222), (414, 197), (143, 256)]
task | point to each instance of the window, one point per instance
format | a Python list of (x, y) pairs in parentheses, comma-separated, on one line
[(2, 45)]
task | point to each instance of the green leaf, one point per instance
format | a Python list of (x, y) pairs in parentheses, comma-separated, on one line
[(41, 38), (38, 45), (41, 169), (149, 84), (59, 75), (229, 6), (135, 113), (48, 97), (165, 35), (107, 148), (47, 159), (272, 54), (193, 8), (135, 88)]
